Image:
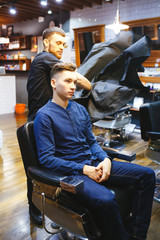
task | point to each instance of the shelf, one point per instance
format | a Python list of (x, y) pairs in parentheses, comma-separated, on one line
[(19, 59), (13, 49), (18, 63), (153, 59), (150, 79), (8, 71), (134, 109), (17, 43)]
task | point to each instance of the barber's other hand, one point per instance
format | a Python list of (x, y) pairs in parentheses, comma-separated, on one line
[(92, 172), (83, 82), (105, 167)]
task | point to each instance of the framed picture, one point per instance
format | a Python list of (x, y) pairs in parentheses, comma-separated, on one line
[(33, 44), (9, 30)]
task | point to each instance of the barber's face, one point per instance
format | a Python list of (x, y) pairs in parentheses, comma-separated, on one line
[(64, 84), (55, 44)]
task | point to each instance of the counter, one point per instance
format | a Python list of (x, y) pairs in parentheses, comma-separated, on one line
[(7, 93)]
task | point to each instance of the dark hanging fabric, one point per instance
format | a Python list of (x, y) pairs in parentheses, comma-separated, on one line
[(112, 68)]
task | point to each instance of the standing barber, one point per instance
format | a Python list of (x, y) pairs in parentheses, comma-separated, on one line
[(40, 91)]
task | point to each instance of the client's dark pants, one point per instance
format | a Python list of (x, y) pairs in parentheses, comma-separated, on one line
[(101, 201)]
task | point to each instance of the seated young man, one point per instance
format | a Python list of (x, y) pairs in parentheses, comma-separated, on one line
[(65, 143)]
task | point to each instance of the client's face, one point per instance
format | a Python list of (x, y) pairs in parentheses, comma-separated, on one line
[(64, 84)]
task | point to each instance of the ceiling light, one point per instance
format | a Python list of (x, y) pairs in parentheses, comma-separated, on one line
[(58, 0), (44, 2), (12, 10), (49, 11), (117, 26)]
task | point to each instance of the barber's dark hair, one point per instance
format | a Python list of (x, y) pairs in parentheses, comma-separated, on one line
[(49, 31), (59, 67)]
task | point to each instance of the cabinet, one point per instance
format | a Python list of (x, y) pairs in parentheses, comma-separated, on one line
[(17, 43), (16, 64), (7, 94), (153, 60), (11, 54), (147, 26)]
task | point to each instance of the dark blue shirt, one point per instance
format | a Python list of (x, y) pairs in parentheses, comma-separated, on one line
[(64, 138)]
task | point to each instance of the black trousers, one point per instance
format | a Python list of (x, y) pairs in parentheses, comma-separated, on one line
[(29, 193)]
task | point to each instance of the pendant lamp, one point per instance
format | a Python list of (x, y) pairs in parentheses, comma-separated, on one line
[(117, 26)]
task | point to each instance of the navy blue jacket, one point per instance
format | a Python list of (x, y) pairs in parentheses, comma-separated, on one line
[(64, 138)]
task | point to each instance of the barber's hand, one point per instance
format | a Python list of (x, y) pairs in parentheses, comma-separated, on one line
[(83, 82), (92, 172), (105, 167)]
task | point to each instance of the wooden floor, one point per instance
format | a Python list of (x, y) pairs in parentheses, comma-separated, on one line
[(14, 218)]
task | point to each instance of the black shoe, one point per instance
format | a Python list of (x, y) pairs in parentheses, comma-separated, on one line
[(35, 215)]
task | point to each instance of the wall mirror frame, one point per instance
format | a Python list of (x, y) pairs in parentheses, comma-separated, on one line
[(77, 31), (147, 26), (151, 28)]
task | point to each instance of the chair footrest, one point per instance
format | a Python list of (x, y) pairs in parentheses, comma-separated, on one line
[(128, 156)]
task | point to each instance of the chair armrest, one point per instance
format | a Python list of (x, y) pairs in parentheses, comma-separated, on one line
[(124, 109), (153, 135), (49, 177), (114, 153)]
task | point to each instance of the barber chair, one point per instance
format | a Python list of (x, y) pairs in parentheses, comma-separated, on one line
[(112, 69), (150, 131), (54, 194), (116, 126), (150, 128)]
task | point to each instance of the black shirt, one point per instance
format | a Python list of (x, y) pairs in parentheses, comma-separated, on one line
[(38, 85)]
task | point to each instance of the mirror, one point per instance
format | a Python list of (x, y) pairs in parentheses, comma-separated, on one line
[(148, 26), (85, 38)]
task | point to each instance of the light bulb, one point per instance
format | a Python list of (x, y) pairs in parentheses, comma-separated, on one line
[(12, 10), (44, 2), (49, 11)]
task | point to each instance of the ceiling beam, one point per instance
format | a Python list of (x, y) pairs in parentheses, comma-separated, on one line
[(61, 6), (32, 8), (98, 2), (28, 11), (83, 2), (29, 7), (75, 5)]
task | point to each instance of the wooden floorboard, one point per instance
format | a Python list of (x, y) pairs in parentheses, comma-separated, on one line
[(14, 217)]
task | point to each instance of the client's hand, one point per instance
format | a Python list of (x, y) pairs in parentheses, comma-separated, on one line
[(92, 172), (105, 167)]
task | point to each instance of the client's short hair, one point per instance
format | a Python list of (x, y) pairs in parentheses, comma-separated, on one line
[(49, 31), (59, 67)]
